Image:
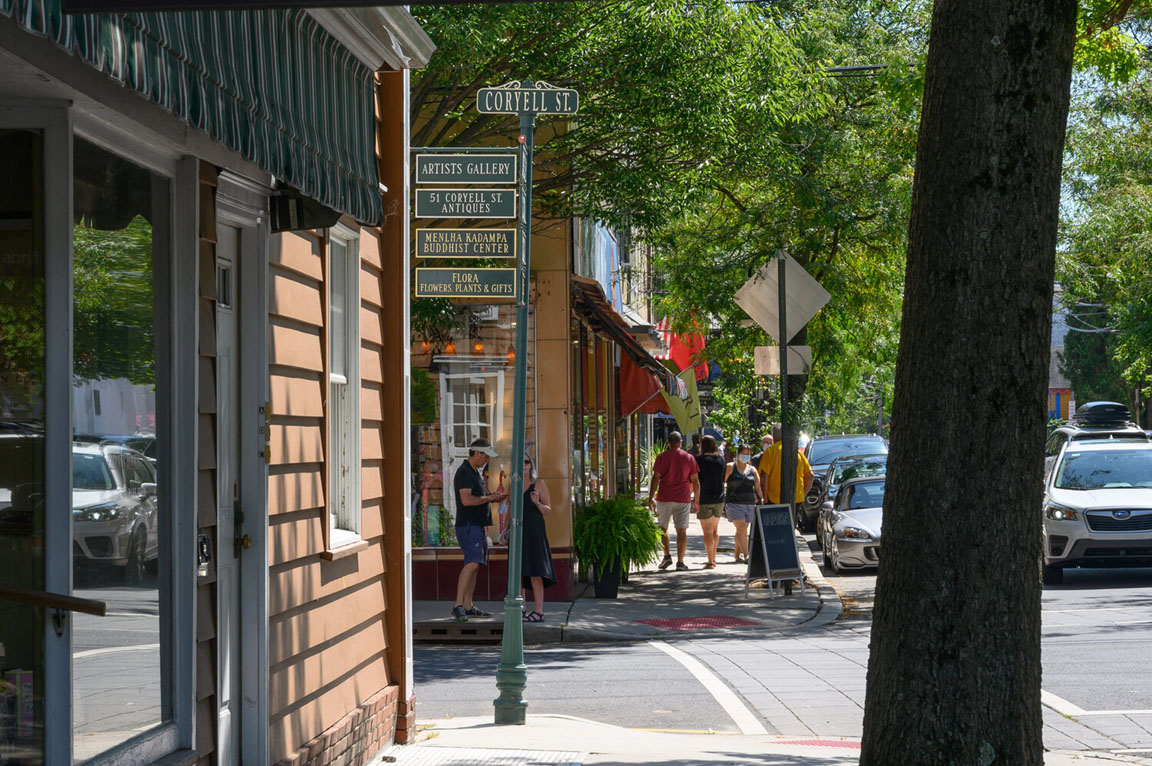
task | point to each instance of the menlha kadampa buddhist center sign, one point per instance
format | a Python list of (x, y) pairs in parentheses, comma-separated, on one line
[(465, 243)]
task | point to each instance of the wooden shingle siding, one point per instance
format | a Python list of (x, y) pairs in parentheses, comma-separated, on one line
[(327, 638), (206, 715)]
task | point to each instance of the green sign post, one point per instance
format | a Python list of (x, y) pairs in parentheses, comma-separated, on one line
[(526, 99), (489, 284), (465, 243)]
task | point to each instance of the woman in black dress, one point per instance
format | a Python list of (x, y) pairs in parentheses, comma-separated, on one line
[(536, 570)]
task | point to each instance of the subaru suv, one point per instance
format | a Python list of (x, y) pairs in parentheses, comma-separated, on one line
[(1098, 507), (1093, 421), (114, 517)]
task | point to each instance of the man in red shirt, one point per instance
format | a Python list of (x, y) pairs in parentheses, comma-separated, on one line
[(674, 493)]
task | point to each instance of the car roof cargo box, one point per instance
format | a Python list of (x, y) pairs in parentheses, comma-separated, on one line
[(1096, 413)]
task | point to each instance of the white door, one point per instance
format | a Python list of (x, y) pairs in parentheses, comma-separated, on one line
[(471, 406), (228, 516)]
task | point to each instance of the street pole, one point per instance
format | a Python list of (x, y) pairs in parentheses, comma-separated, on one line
[(512, 673), (788, 447)]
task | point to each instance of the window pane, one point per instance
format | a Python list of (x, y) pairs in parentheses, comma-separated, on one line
[(22, 441), (337, 306), (116, 515)]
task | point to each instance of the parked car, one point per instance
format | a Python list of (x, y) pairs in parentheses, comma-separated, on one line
[(114, 516), (850, 467), (1098, 507), (820, 452), (1095, 421), (849, 528)]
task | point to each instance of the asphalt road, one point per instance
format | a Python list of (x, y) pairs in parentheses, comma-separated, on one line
[(1097, 628)]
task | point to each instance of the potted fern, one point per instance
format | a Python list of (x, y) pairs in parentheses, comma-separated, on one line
[(614, 535)]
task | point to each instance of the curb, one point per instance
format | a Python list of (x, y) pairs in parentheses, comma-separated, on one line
[(831, 607)]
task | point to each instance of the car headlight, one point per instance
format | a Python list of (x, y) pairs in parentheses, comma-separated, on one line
[(853, 533), (102, 512), (1060, 513)]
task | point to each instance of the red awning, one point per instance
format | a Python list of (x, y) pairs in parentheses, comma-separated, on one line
[(639, 389)]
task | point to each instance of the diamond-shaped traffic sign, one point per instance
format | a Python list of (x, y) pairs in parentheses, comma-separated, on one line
[(760, 297)]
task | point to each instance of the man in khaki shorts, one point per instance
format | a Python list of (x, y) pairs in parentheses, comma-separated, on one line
[(674, 493)]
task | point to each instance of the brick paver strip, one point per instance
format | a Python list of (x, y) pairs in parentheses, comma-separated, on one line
[(697, 623)]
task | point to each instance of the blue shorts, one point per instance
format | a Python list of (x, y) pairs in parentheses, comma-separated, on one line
[(739, 512), (474, 542)]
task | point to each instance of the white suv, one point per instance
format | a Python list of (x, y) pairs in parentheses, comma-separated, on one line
[(1098, 507)]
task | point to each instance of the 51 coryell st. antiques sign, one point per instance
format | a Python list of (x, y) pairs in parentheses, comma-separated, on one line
[(466, 203)]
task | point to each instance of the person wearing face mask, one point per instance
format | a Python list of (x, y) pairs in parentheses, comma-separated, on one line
[(742, 484), (473, 516)]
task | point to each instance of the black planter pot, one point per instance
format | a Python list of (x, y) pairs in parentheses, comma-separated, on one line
[(608, 580)]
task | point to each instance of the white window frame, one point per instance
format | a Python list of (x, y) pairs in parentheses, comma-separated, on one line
[(344, 425)]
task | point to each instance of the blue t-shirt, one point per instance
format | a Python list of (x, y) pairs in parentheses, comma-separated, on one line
[(468, 478)]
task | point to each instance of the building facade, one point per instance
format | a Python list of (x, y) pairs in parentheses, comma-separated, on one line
[(204, 520)]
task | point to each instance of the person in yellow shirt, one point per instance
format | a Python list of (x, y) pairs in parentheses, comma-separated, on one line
[(770, 470)]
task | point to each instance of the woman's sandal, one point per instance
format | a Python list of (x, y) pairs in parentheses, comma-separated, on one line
[(533, 617)]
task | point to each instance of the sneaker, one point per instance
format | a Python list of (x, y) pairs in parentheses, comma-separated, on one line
[(667, 562), (459, 613), (475, 611), (681, 566)]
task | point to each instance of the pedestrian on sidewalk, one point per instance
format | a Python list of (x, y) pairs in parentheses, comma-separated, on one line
[(765, 443), (536, 568), (770, 470), (711, 497), (674, 494), (742, 485), (473, 517), (694, 450)]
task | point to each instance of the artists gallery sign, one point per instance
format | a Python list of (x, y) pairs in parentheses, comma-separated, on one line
[(131, 6)]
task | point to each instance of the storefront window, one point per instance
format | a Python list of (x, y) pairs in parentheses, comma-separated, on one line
[(21, 444), (118, 518)]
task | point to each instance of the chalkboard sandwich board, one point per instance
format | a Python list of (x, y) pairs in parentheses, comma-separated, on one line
[(772, 551)]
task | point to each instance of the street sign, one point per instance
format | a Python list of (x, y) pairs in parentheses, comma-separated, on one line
[(465, 168), (766, 360), (465, 203), (465, 243), (759, 297), (527, 98), (489, 284)]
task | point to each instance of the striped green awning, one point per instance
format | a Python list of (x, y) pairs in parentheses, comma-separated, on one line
[(272, 85)]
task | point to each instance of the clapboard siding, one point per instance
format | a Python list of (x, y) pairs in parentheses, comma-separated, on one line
[(296, 631), (327, 628)]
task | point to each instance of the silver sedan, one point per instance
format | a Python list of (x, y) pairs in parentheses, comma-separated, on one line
[(849, 528)]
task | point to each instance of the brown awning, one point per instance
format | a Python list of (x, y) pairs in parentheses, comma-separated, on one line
[(590, 301)]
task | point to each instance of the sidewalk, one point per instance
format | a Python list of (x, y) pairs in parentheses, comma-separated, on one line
[(554, 739), (655, 604)]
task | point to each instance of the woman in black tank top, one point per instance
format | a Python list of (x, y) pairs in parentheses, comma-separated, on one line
[(742, 489)]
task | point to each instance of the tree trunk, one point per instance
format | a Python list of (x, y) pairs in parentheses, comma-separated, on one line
[(954, 672)]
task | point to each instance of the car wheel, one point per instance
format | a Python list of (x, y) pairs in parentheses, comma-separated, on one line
[(835, 558), (135, 569), (1051, 575), (826, 560)]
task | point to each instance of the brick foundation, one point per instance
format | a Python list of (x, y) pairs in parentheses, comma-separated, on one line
[(357, 737), (406, 723)]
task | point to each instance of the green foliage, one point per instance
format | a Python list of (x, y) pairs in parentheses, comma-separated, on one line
[(836, 199), (425, 401), (113, 313), (617, 528), (672, 96), (1105, 263)]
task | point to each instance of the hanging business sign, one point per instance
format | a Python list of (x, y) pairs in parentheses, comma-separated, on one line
[(466, 203), (487, 284), (466, 168), (527, 98), (465, 243)]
